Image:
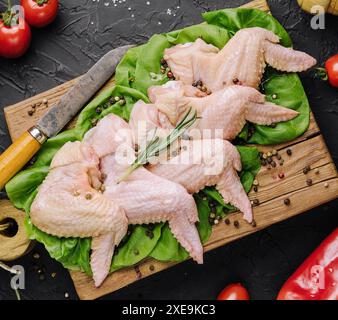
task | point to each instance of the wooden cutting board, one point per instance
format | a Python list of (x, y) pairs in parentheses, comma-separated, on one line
[(309, 149)]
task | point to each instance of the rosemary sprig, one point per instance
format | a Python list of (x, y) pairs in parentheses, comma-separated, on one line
[(157, 145)]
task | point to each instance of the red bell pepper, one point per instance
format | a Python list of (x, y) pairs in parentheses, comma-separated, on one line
[(317, 276)]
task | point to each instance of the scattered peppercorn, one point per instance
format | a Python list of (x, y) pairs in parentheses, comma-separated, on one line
[(138, 272), (309, 182), (256, 202), (236, 224), (98, 110), (289, 152), (269, 160), (273, 125), (269, 154), (273, 163), (316, 171), (216, 221), (136, 252), (36, 256), (213, 209), (150, 234), (255, 188), (274, 96), (151, 226), (53, 274), (274, 152), (255, 182), (287, 201), (151, 268), (212, 215), (253, 223), (88, 196), (94, 122), (170, 74), (306, 169), (227, 221), (122, 102), (326, 185), (66, 295), (30, 112), (212, 203), (265, 156), (281, 175), (199, 83), (163, 62), (44, 101), (235, 81)]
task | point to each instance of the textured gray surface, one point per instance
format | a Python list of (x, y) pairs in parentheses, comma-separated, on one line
[(82, 33)]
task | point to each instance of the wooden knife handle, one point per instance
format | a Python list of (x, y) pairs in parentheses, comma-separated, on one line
[(18, 154)]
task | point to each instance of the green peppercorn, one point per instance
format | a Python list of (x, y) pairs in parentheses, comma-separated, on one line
[(122, 102)]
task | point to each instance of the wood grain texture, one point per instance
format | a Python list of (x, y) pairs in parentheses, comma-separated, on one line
[(16, 246), (309, 149)]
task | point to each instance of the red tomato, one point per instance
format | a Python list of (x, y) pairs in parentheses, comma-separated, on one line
[(234, 291), (39, 13), (14, 40), (331, 67)]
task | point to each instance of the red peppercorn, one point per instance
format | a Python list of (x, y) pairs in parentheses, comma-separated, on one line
[(281, 175)]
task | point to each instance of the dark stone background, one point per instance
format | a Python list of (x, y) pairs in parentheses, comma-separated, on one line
[(83, 31)]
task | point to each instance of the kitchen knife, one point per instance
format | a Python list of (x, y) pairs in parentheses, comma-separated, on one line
[(24, 148)]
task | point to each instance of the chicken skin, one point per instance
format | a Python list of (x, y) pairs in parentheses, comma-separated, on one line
[(241, 61)]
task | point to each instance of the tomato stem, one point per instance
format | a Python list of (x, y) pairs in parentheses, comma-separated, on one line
[(41, 2), (321, 73)]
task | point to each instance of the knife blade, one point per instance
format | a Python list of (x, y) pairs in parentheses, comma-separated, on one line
[(24, 148)]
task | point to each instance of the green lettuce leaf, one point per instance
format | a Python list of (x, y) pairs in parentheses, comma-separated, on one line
[(240, 18)]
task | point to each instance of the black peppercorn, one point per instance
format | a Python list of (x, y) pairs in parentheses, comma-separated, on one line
[(309, 182), (227, 221), (256, 202), (287, 201), (306, 169), (289, 152), (236, 224)]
